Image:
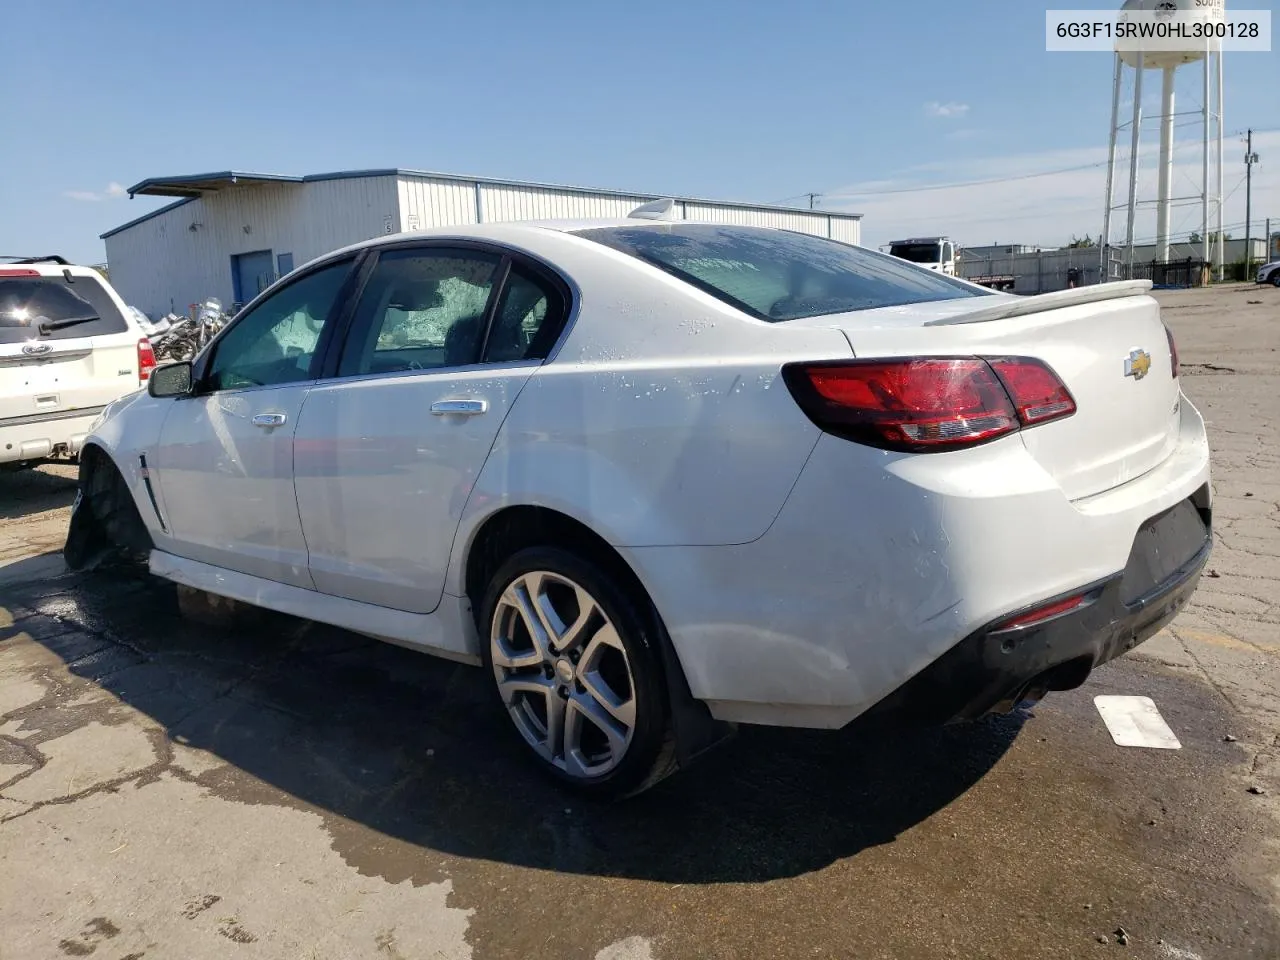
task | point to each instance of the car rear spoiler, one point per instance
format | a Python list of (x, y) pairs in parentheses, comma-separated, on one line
[(1021, 306)]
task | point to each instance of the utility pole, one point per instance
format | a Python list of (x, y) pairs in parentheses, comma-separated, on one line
[(1250, 158), (812, 198)]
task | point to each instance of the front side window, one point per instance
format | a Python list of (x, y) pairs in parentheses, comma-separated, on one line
[(55, 308), (421, 309), (779, 275), (275, 342)]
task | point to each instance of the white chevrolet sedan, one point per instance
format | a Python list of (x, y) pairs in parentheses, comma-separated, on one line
[(660, 478)]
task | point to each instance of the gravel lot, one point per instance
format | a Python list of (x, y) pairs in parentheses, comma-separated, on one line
[(290, 790)]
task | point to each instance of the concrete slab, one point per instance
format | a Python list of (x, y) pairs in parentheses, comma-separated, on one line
[(91, 757)]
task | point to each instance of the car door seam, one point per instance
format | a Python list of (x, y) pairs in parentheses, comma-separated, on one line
[(453, 544)]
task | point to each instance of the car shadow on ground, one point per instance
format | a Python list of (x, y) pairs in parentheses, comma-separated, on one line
[(35, 490), (413, 747)]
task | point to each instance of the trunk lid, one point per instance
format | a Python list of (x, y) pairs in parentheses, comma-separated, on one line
[(1106, 343)]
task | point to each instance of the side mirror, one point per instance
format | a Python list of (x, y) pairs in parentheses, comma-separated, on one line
[(170, 380)]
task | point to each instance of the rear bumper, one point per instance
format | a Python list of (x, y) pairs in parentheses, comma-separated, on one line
[(38, 436), (880, 565), (992, 669)]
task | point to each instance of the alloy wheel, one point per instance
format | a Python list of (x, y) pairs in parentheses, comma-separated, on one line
[(563, 673)]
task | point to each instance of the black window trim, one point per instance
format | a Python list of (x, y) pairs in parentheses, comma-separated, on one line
[(508, 257)]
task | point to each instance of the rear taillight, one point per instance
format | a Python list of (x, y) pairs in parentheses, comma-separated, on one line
[(1034, 389), (921, 404), (146, 360), (1173, 352)]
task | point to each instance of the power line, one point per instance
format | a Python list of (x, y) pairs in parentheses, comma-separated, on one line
[(811, 196), (967, 183), (1013, 179), (796, 196)]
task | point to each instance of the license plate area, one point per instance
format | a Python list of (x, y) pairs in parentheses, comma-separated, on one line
[(1165, 544)]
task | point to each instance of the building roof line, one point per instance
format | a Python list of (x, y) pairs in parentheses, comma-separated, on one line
[(145, 217), (195, 185), (190, 185)]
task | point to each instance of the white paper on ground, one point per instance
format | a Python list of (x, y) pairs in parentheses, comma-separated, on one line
[(1135, 722)]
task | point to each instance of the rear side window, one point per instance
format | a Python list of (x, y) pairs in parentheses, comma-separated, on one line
[(779, 275), (51, 308), (421, 309), (528, 320)]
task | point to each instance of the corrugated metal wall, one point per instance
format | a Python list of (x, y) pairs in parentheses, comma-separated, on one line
[(151, 262), (509, 202), (431, 202), (184, 255), (340, 212), (815, 223), (427, 202), (163, 264), (846, 230)]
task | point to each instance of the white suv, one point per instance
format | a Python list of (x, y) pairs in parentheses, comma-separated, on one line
[(68, 347)]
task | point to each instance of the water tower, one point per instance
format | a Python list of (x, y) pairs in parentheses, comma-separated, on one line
[(1208, 117)]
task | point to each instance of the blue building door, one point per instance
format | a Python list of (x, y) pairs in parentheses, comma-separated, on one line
[(251, 273), (284, 263)]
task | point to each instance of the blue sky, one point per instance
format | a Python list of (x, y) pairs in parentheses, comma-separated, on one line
[(759, 101)]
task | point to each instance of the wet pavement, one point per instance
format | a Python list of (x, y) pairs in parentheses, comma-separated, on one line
[(277, 788)]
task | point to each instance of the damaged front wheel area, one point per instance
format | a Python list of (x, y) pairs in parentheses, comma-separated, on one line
[(105, 524)]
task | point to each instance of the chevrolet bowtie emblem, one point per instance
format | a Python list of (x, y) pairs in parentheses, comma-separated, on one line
[(1137, 364)]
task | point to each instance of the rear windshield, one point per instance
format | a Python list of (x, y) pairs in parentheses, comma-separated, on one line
[(777, 274), (50, 308)]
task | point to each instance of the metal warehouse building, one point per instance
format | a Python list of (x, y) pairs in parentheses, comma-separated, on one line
[(231, 234)]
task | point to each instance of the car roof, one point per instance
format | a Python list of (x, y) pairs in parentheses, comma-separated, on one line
[(515, 232)]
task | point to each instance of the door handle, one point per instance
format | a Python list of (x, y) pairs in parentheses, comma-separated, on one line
[(269, 420), (467, 408)]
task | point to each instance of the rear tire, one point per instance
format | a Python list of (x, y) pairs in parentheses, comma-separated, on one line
[(1275, 278), (578, 672)]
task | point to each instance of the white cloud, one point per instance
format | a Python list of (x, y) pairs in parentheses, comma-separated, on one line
[(1046, 210), (947, 111), (114, 191)]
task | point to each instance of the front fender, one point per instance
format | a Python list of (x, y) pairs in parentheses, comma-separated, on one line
[(128, 429)]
